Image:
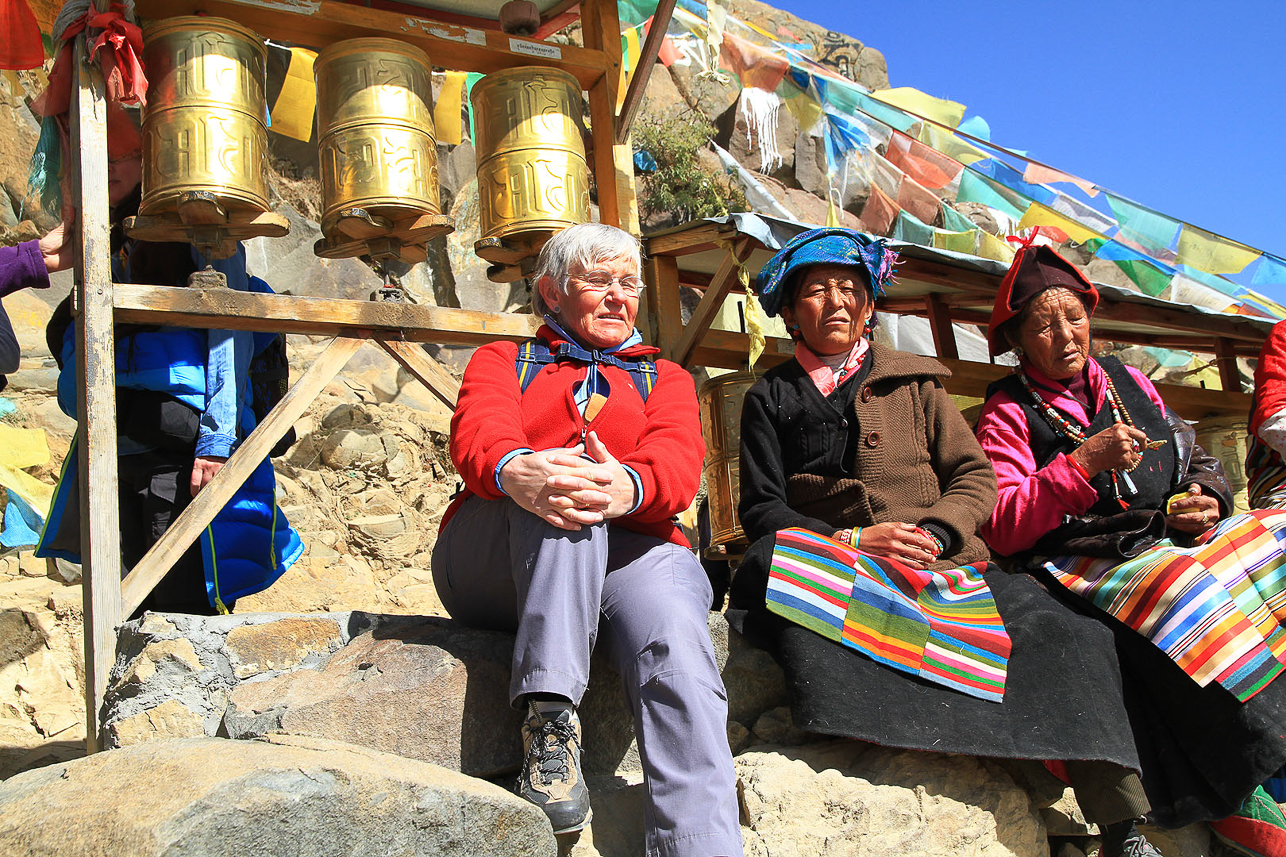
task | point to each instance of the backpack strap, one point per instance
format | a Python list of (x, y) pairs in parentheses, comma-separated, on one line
[(534, 355)]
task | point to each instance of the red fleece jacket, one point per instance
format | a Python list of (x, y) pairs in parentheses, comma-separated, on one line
[(660, 439)]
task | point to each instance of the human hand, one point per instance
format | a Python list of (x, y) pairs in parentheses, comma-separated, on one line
[(58, 247), (203, 469), (603, 476), (1193, 513), (1117, 447), (526, 479), (899, 540)]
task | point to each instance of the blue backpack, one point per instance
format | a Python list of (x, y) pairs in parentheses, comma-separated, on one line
[(534, 355)]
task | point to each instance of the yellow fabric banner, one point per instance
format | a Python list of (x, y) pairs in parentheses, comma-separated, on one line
[(1208, 252), (292, 113), (948, 113), (951, 145), (1040, 215), (991, 247), (957, 242), (21, 448), (446, 113)]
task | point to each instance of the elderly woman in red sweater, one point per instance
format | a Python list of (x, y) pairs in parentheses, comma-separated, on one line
[(577, 450), (1104, 494)]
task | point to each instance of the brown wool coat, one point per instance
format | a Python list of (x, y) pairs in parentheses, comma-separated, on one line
[(916, 459)]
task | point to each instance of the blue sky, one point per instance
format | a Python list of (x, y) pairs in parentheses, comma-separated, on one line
[(1180, 106)]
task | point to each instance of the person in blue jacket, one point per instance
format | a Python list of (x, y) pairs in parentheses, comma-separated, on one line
[(183, 406)]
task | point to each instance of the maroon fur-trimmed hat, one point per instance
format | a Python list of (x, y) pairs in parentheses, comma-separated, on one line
[(1034, 269)]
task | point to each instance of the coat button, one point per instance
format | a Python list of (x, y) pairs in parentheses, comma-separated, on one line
[(873, 439), (843, 423), (867, 395)]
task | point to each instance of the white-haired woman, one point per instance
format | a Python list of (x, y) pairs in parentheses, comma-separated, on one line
[(577, 449)]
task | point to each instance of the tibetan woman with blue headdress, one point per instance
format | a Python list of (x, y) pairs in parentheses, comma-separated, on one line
[(862, 489)]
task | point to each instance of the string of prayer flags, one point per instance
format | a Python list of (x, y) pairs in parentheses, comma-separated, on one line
[(1001, 172), (1208, 252), (975, 187), (927, 166)]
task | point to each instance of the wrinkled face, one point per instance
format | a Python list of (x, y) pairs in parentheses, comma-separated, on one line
[(831, 308), (1055, 335), (600, 315)]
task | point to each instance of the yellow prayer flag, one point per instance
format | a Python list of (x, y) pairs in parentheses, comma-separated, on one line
[(1208, 252), (446, 113), (949, 113), (632, 49), (292, 112), (1040, 215), (957, 242), (832, 210), (804, 108), (756, 321), (991, 247), (951, 145), (21, 448)]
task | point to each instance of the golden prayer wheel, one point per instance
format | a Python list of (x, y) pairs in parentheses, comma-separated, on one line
[(721, 399), (533, 178), (379, 160), (204, 133)]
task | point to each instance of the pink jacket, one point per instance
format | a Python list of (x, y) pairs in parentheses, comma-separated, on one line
[(1032, 502)]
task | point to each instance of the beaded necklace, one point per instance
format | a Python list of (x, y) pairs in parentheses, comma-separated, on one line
[(1077, 435)]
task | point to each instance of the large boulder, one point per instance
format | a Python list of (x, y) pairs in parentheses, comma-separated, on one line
[(283, 796), (424, 688), (854, 799)]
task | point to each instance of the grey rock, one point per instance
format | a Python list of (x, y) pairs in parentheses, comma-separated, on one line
[(353, 448), (283, 796), (289, 265)]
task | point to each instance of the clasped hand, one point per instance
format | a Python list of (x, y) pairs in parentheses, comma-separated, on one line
[(566, 489), (899, 540)]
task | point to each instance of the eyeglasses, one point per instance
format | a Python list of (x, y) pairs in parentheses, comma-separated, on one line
[(601, 282)]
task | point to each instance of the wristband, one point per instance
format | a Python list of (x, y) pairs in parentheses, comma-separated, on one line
[(1078, 467), (855, 536)]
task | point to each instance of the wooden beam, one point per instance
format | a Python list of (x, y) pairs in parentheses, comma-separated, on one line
[(643, 68), (711, 301), (318, 23), (705, 236), (100, 529), (944, 335), (1226, 359), (429, 372), (232, 310), (727, 349), (666, 306), (218, 491)]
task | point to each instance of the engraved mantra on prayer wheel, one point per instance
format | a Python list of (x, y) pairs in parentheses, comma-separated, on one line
[(532, 173), (203, 128), (375, 120)]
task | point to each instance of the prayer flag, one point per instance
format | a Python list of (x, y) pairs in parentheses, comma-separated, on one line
[(914, 101), (879, 212), (1040, 215), (954, 221), (1271, 271), (296, 102), (446, 113), (20, 45), (991, 247), (911, 229), (950, 145), (1006, 175), (1151, 230), (918, 200), (1209, 252), (1150, 279), (928, 167), (1040, 174), (956, 242), (975, 187)]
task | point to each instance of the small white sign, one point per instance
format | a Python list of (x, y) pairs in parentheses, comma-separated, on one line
[(536, 49)]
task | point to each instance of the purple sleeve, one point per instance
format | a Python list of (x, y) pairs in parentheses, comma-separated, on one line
[(22, 267)]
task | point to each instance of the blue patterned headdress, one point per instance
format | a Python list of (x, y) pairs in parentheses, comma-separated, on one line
[(829, 246)]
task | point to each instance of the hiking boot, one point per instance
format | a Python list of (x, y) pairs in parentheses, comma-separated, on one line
[(1123, 839), (551, 775)]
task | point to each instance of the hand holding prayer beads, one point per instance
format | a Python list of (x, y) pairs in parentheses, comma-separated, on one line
[(1118, 447), (901, 541)]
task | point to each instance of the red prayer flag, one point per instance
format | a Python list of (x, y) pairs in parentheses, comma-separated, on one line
[(20, 45)]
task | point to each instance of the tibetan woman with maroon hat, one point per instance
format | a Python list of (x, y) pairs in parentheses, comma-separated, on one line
[(1104, 494)]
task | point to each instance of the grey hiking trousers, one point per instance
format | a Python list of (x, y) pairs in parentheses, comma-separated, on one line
[(498, 566)]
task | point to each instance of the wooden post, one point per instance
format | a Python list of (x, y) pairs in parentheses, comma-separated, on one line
[(1226, 359), (666, 308), (944, 334), (429, 372), (711, 301), (219, 490), (100, 532), (613, 163)]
